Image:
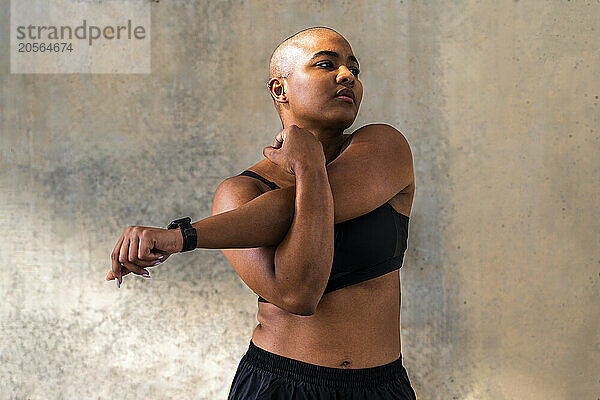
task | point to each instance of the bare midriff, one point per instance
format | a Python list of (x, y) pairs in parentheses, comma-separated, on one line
[(354, 327)]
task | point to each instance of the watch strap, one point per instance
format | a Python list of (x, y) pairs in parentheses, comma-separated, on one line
[(190, 235)]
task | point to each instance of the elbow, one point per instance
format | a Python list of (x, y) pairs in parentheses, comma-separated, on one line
[(300, 307), (303, 298)]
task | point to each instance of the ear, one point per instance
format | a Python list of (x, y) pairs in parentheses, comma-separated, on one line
[(277, 88)]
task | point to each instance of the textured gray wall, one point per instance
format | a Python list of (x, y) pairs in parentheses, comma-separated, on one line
[(501, 280)]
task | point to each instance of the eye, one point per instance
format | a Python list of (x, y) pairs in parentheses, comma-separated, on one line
[(325, 62), (329, 64)]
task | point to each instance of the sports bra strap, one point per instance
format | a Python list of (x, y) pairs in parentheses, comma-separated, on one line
[(271, 184)]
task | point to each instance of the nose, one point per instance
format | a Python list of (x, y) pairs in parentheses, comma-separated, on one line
[(345, 75)]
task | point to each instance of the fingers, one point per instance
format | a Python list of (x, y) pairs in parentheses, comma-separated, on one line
[(116, 265), (145, 252), (123, 253), (268, 152), (110, 276), (124, 271), (135, 269), (128, 256), (132, 256), (279, 138), (140, 250), (132, 253)]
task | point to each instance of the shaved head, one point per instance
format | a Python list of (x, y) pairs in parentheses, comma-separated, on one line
[(289, 52), (306, 71), (286, 54)]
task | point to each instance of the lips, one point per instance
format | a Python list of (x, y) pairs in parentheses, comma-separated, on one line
[(345, 93)]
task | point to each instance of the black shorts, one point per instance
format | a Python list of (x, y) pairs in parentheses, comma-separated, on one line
[(262, 375)]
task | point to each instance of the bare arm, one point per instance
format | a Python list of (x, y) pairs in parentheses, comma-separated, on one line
[(286, 274), (261, 220), (304, 258), (376, 166)]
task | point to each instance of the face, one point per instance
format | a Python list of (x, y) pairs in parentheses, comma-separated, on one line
[(324, 65)]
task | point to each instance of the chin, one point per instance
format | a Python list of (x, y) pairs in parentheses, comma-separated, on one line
[(332, 118), (335, 118)]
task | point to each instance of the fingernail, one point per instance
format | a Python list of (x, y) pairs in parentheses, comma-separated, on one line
[(146, 275), (118, 284), (156, 263), (160, 257)]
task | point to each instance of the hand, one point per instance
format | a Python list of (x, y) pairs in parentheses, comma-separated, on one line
[(140, 247), (295, 147)]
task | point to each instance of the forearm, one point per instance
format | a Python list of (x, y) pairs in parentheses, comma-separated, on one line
[(263, 221), (304, 257)]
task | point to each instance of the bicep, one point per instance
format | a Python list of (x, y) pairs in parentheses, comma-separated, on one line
[(255, 265), (370, 171)]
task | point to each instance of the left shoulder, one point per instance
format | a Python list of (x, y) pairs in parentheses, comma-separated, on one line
[(382, 134)]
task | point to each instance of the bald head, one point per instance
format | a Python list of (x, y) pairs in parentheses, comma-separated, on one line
[(289, 51)]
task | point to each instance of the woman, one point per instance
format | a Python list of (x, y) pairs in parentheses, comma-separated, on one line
[(318, 229)]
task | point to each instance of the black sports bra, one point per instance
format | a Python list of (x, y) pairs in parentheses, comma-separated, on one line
[(365, 247)]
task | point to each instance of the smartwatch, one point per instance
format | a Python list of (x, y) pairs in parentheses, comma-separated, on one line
[(190, 236)]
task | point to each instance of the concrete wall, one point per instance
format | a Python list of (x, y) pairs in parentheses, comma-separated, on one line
[(501, 280)]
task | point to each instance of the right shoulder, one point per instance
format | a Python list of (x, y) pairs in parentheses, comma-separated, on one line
[(233, 192)]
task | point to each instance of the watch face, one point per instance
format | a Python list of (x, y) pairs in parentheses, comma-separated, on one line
[(180, 221)]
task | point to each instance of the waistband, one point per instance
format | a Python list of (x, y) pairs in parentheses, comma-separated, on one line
[(319, 375)]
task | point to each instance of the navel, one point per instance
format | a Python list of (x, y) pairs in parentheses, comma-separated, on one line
[(345, 364)]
